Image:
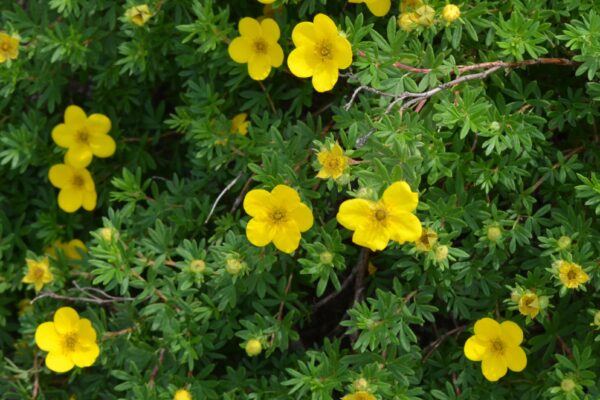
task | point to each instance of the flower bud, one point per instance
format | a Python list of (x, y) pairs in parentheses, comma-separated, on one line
[(515, 296), (495, 126), (197, 266), (408, 21), (108, 234), (234, 266), (494, 233), (253, 347), (450, 13), (425, 15), (365, 193), (563, 242), (441, 253), (326, 258), (567, 385), (361, 384)]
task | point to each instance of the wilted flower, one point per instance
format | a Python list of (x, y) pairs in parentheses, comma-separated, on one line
[(239, 124), (139, 14), (9, 47), (38, 273)]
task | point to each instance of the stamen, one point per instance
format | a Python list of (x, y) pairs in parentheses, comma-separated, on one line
[(260, 46), (78, 181), (380, 215), (278, 215)]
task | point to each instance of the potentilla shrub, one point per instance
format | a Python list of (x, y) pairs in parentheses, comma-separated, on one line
[(299, 199)]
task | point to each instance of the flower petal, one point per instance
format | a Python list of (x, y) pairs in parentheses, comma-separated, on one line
[(325, 76), (487, 329), (86, 356), (302, 62), (75, 116), (287, 237), (46, 337), (89, 200), (249, 27), (474, 349), (58, 362), (285, 196), (270, 29), (342, 52), (63, 136), (259, 232), (354, 213), (69, 200), (304, 34), (379, 7), (86, 332), (79, 156), (512, 333), (493, 368), (400, 197), (303, 217), (257, 203), (60, 175), (98, 124), (325, 26), (275, 54), (239, 50), (404, 227), (102, 146), (371, 236), (259, 67), (66, 320), (515, 358)]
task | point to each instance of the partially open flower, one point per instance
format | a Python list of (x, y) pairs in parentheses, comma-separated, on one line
[(9, 47), (451, 13), (38, 273), (139, 14)]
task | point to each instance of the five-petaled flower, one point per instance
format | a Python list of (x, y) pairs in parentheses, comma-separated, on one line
[(497, 346), (257, 45), (69, 340), (362, 395), (278, 217), (239, 124), (182, 394), (376, 223), (139, 14), (333, 162), (571, 275), (84, 137), (76, 186), (38, 273), (320, 51), (378, 7), (9, 47)]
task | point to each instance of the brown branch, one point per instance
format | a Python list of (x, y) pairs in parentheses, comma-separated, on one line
[(282, 305), (161, 357), (361, 271), (492, 64), (36, 377), (334, 294), (268, 96), (432, 347), (110, 335), (240, 197), (89, 295), (540, 181)]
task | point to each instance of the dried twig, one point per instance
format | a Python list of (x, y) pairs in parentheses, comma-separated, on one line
[(110, 335), (89, 295), (361, 271), (282, 304), (432, 347), (349, 279), (36, 377), (492, 64), (161, 357), (229, 186)]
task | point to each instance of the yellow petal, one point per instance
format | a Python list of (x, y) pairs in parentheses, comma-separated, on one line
[(270, 29), (257, 203), (403, 227), (102, 146), (399, 196), (379, 7), (239, 50), (259, 67), (98, 124), (60, 175), (371, 236), (86, 356), (493, 368), (75, 116), (304, 34), (46, 337), (516, 359), (63, 136), (342, 52), (249, 27), (69, 200), (259, 232), (287, 237), (325, 76), (86, 334), (79, 156), (354, 213), (302, 62), (325, 26), (89, 200), (511, 332), (275, 55), (303, 217), (285, 196), (58, 362), (474, 349), (66, 320), (487, 329)]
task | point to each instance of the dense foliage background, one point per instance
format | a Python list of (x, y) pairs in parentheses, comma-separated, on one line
[(505, 162)]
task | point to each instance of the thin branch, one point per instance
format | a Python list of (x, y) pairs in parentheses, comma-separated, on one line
[(110, 335), (432, 347), (361, 271), (36, 377), (242, 194), (349, 279), (89, 295), (282, 304), (229, 186), (540, 181), (161, 357), (269, 100), (492, 64)]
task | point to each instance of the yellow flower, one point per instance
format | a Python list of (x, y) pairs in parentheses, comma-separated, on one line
[(84, 137), (359, 396), (410, 4), (408, 21), (378, 7), (139, 14), (9, 47), (441, 253), (182, 394), (24, 306), (497, 346), (320, 51), (529, 304), (571, 275), (239, 124), (333, 162), (69, 249), (376, 223), (69, 340), (425, 15), (38, 273), (257, 45), (253, 347), (76, 187), (451, 13), (266, 1), (427, 239), (278, 217)]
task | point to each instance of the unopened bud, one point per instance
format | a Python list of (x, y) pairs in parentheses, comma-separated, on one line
[(450, 13), (494, 233), (253, 347), (197, 266)]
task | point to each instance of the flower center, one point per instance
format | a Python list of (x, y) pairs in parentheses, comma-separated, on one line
[(70, 342), (333, 163), (38, 273), (78, 181), (260, 46), (324, 51), (498, 346), (572, 275), (5, 46), (278, 216), (83, 136), (380, 215)]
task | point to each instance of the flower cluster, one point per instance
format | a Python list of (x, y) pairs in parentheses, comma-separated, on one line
[(321, 50), (416, 14), (84, 137)]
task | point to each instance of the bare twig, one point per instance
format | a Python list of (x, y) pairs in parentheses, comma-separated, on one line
[(282, 304), (110, 335), (349, 279), (361, 271), (229, 186), (492, 64), (268, 96), (431, 348), (161, 357), (36, 377), (240, 197), (89, 295), (540, 181)]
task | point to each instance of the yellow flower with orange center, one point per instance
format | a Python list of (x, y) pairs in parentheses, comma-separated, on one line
[(84, 137), (69, 340), (76, 186), (257, 46), (362, 395), (278, 217), (239, 124), (139, 14), (529, 304), (9, 47), (333, 162), (571, 275), (320, 52), (375, 223), (38, 273), (497, 346), (378, 7)]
